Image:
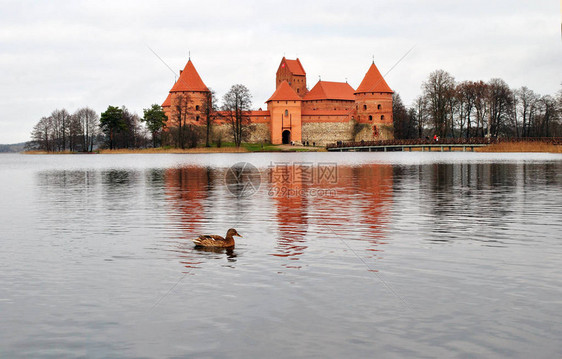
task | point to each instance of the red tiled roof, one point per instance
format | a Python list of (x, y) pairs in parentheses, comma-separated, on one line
[(189, 80), (168, 101), (326, 90), (373, 82), (284, 93), (294, 66)]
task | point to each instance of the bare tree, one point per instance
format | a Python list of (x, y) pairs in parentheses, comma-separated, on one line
[(60, 120), (42, 135), (466, 92), (236, 104), (420, 106), (180, 109), (500, 99), (89, 123), (547, 117), (437, 90), (209, 111), (526, 105), (481, 106), (400, 118), (74, 133)]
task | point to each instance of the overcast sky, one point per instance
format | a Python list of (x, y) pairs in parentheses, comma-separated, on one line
[(71, 54)]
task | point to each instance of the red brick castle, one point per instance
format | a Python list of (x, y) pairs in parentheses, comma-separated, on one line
[(329, 112)]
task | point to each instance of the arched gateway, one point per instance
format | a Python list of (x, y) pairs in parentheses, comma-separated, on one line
[(286, 137)]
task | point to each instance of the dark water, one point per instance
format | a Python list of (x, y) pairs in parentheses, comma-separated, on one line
[(344, 255)]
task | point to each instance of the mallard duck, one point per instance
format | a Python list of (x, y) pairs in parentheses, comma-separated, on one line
[(217, 241)]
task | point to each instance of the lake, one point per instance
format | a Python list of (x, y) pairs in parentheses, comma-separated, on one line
[(355, 255)]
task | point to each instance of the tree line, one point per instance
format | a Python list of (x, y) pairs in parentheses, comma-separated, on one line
[(85, 130), (466, 109), (116, 127)]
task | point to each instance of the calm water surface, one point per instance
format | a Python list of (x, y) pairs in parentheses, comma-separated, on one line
[(349, 255)]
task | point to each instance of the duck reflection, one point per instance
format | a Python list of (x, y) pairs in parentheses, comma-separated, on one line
[(229, 252), (187, 188)]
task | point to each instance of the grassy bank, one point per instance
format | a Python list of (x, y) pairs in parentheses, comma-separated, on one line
[(174, 150), (521, 147), (225, 148), (258, 147)]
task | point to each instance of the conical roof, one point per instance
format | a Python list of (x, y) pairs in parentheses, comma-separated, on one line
[(373, 82), (168, 101), (189, 80), (284, 93)]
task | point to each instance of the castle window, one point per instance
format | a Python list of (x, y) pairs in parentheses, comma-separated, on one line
[(196, 107), (298, 91), (370, 118), (197, 118), (286, 113), (378, 107), (382, 117), (364, 107)]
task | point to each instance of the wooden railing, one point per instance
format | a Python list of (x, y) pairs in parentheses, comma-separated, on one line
[(445, 141)]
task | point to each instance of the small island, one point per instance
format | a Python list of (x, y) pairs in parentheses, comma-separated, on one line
[(190, 120)]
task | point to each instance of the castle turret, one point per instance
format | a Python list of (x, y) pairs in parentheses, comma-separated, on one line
[(190, 93), (292, 72), (373, 101), (285, 110)]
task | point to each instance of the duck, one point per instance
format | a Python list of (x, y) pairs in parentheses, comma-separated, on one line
[(214, 241)]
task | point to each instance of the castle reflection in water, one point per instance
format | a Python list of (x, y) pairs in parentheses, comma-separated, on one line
[(325, 199)]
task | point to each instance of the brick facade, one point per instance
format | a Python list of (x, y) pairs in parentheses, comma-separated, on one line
[(329, 112)]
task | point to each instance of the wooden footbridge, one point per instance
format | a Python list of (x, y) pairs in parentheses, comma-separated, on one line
[(440, 145)]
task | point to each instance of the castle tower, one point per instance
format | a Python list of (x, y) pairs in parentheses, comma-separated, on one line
[(373, 101), (285, 110), (292, 72), (190, 93)]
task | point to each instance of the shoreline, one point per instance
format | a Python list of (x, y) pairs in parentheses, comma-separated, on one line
[(518, 147)]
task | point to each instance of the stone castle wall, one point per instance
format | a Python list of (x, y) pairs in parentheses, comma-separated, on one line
[(317, 133), (323, 133), (257, 133)]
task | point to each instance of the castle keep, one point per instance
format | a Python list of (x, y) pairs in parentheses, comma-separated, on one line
[(329, 112)]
